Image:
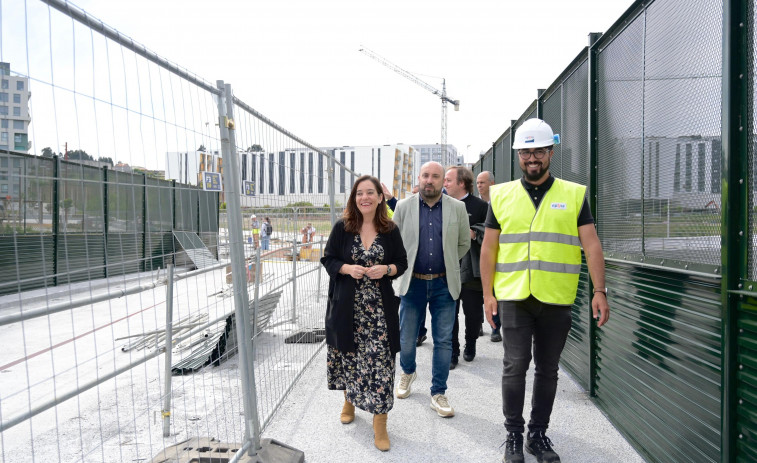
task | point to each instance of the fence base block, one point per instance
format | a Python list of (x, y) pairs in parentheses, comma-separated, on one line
[(204, 449)]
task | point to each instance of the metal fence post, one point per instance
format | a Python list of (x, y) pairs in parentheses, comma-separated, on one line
[(736, 127), (294, 279), (332, 186), (166, 412), (511, 158), (56, 216), (238, 271), (105, 220), (593, 176), (320, 254)]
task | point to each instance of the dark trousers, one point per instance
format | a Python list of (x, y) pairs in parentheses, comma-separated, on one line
[(546, 326), (472, 302)]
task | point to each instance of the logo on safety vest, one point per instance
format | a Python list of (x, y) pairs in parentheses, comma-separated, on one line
[(561, 206)]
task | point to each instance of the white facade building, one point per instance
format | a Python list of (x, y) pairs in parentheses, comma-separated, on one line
[(434, 153), (14, 111)]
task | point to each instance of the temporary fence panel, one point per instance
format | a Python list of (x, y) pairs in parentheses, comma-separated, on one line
[(124, 151)]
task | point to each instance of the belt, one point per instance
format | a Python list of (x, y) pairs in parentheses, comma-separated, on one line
[(428, 276)]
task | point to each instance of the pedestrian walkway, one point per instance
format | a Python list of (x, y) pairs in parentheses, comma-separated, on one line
[(309, 419)]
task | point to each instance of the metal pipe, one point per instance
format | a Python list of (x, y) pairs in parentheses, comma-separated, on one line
[(294, 280), (233, 191), (320, 253), (166, 412), (55, 308)]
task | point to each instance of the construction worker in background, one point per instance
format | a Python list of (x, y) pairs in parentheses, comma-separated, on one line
[(255, 231), (530, 264), (484, 180)]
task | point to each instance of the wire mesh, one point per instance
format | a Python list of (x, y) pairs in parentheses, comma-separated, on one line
[(552, 115), (682, 81), (574, 146), (502, 163), (620, 96)]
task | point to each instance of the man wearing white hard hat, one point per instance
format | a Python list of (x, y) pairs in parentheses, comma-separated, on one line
[(530, 264)]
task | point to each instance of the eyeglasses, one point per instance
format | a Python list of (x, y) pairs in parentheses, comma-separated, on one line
[(537, 152)]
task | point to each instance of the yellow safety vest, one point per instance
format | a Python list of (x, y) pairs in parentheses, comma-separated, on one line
[(539, 250), (389, 212)]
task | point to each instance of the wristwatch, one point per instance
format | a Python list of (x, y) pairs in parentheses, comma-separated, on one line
[(600, 290), (389, 270)]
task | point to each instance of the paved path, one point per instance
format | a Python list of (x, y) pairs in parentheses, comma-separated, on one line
[(309, 419)]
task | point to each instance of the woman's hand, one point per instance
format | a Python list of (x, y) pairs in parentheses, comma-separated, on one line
[(376, 272), (355, 271)]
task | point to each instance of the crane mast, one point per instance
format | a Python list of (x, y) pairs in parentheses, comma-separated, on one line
[(441, 94)]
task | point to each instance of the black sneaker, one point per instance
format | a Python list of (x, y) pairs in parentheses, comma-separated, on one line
[(453, 363), (481, 330), (513, 448), (469, 353), (539, 445), (420, 340), (495, 336)]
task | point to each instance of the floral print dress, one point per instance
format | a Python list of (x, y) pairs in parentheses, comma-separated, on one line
[(367, 375)]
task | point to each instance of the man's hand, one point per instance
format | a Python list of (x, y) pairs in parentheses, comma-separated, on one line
[(387, 194), (490, 307), (600, 308)]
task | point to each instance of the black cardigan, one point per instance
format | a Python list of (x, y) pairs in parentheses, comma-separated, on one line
[(341, 301)]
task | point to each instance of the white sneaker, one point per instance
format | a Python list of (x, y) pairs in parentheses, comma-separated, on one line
[(403, 390), (441, 405)]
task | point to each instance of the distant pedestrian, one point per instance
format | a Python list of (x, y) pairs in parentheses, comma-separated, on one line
[(363, 254), (265, 234), (255, 231)]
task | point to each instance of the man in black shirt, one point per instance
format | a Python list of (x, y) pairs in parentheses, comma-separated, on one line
[(458, 182)]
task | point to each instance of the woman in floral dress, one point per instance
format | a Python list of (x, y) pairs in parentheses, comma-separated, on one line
[(363, 253)]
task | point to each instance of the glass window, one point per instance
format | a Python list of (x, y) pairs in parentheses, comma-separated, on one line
[(16, 163), (19, 85), (3, 147), (4, 161), (4, 138), (4, 188), (4, 124), (18, 125), (3, 97), (3, 110), (20, 141), (5, 84), (17, 98), (16, 111)]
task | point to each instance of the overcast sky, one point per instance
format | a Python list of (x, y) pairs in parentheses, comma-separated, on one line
[(297, 61)]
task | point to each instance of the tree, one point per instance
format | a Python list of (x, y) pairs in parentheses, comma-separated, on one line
[(254, 148), (80, 155), (104, 159), (201, 148), (47, 152)]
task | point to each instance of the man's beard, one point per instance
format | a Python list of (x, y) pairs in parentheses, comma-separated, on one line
[(535, 176), (433, 194)]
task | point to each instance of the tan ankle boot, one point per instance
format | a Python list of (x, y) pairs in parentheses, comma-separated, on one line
[(380, 436), (348, 411)]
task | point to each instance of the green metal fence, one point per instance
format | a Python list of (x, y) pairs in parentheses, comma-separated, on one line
[(74, 222), (657, 118)]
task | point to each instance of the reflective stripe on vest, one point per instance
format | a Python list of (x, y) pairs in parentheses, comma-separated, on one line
[(539, 251)]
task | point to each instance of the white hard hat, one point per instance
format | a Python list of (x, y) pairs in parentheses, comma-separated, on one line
[(253, 216), (534, 133)]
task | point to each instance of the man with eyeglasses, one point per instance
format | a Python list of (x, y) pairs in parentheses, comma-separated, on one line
[(530, 264)]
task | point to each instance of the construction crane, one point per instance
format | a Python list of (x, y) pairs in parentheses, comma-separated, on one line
[(441, 94)]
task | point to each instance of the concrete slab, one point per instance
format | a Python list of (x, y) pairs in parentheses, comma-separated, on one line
[(309, 419)]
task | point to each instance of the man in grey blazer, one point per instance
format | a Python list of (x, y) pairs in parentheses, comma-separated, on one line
[(435, 232)]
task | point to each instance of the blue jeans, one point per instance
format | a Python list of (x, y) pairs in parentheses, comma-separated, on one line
[(441, 306), (265, 243)]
